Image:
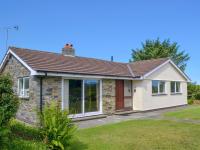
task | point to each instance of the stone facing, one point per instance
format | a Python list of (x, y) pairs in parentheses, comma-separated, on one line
[(52, 89), (108, 96), (27, 108), (16, 70)]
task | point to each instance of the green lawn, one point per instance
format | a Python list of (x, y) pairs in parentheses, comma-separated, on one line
[(140, 135), (189, 113), (133, 135)]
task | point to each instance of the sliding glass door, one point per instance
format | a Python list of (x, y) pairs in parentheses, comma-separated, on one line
[(75, 96), (82, 96), (91, 95)]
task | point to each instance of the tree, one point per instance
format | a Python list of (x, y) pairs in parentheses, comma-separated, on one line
[(152, 49)]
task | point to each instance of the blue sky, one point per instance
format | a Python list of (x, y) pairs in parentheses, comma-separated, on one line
[(102, 28)]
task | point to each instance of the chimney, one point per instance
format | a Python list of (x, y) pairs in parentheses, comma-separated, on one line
[(68, 50)]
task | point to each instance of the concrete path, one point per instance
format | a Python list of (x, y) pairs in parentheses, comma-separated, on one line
[(156, 114)]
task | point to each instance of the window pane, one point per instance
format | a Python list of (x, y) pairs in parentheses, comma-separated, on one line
[(127, 88), (75, 96), (26, 87), (154, 87), (172, 87), (162, 87), (91, 95), (178, 89), (26, 83), (20, 88)]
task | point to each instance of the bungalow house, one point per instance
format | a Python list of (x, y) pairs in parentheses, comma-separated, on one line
[(88, 86)]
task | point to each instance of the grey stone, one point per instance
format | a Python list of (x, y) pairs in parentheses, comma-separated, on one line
[(108, 96)]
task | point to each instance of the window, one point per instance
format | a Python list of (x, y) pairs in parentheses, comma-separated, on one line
[(84, 96), (162, 87), (91, 95), (127, 88), (75, 96), (23, 87), (158, 87), (155, 87), (175, 87)]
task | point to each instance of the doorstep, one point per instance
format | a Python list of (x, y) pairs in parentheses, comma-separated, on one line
[(126, 112), (88, 118)]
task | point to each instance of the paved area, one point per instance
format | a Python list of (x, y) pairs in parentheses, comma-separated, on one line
[(156, 114)]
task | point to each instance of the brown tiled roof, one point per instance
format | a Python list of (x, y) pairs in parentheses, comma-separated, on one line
[(140, 68), (54, 62)]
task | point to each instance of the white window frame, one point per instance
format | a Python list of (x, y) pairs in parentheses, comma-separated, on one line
[(158, 86), (25, 93), (175, 92), (66, 100)]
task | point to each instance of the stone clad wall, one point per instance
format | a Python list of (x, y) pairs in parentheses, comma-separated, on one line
[(108, 96), (28, 107), (16, 70), (52, 89)]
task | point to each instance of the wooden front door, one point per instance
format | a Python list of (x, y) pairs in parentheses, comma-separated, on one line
[(119, 94)]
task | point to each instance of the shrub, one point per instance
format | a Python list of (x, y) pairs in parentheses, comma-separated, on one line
[(8, 107), (190, 101), (193, 91), (197, 95), (8, 101), (57, 129), (25, 131), (4, 132)]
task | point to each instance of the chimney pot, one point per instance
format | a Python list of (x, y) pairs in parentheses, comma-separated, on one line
[(68, 50)]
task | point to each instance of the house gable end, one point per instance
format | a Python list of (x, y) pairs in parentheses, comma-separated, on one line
[(15, 69), (6, 59), (167, 71)]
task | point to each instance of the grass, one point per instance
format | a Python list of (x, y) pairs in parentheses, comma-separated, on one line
[(129, 135), (141, 135), (192, 113), (19, 143), (25, 137)]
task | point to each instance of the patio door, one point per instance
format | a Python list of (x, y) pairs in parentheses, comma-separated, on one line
[(75, 97), (119, 94), (82, 97)]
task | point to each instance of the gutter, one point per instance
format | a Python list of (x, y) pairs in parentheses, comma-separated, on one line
[(41, 90), (81, 75)]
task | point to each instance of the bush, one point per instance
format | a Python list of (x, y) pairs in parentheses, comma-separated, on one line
[(4, 132), (57, 129), (8, 107), (8, 101), (190, 101), (25, 131), (197, 96), (193, 91)]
